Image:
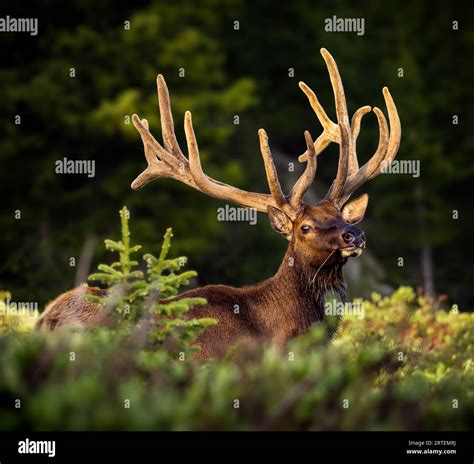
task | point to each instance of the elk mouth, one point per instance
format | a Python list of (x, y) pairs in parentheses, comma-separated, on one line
[(351, 251)]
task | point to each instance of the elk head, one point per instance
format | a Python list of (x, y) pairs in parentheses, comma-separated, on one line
[(324, 233)]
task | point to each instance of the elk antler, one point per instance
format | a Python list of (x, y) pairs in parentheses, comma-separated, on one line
[(349, 176), (168, 160)]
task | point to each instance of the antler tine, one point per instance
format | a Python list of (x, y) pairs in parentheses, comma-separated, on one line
[(372, 166), (155, 167), (338, 88), (152, 148), (167, 125), (306, 179), (330, 129), (345, 142), (337, 187), (389, 142), (355, 124), (395, 129), (270, 169), (259, 201)]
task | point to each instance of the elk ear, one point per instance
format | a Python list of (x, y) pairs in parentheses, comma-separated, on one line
[(280, 221), (354, 211)]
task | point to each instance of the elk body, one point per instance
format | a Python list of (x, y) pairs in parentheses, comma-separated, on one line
[(321, 237)]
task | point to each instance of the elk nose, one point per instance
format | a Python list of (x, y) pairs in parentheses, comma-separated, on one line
[(348, 237), (354, 236)]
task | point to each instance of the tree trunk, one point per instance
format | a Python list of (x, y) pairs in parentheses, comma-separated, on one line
[(427, 271), (85, 259), (426, 256)]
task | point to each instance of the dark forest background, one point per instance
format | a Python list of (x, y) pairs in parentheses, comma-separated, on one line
[(230, 73)]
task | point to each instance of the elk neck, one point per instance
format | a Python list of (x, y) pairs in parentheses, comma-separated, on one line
[(295, 294)]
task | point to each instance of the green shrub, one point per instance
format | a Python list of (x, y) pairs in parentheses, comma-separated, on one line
[(406, 365), (137, 297), (14, 317)]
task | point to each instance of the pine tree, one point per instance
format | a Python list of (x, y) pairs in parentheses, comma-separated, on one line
[(140, 297)]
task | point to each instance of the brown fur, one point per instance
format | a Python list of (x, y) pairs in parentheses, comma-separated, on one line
[(321, 237), (73, 308), (279, 308)]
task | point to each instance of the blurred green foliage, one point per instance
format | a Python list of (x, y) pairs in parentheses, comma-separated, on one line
[(88, 117), (228, 72), (405, 366), (9, 312)]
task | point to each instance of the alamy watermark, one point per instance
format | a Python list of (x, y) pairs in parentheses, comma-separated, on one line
[(68, 166), (37, 447), (336, 24), (9, 24), (236, 214), (18, 308), (401, 167), (338, 308)]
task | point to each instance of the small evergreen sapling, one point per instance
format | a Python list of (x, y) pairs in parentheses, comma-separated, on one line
[(139, 296), (124, 283)]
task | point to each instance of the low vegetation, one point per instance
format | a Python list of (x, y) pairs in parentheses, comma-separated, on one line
[(405, 365)]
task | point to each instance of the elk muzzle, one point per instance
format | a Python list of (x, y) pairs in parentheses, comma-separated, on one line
[(354, 242)]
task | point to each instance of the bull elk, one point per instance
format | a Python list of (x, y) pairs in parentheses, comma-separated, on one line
[(321, 237)]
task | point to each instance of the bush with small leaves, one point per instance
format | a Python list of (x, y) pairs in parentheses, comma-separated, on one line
[(405, 365), (16, 316), (142, 298)]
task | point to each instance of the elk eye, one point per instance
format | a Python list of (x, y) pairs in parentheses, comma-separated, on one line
[(305, 228)]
